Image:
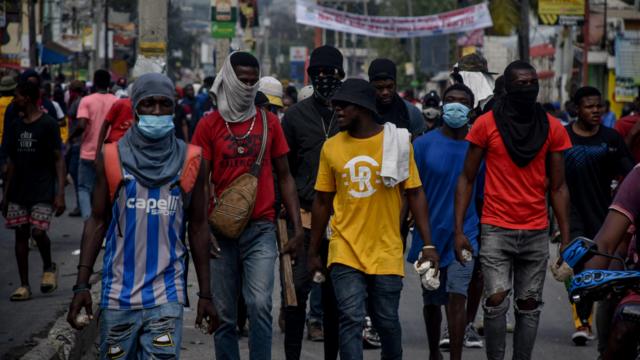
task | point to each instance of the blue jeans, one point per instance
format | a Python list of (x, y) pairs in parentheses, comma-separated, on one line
[(86, 181), (357, 292), (73, 161), (153, 333), (255, 253), (315, 304), (517, 257)]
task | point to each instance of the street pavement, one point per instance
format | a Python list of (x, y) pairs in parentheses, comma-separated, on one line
[(553, 341), (22, 324)]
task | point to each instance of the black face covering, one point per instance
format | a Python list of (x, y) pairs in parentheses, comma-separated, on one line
[(325, 86), (524, 97), (521, 121)]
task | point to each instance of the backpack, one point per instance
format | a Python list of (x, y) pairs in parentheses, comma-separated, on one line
[(115, 175)]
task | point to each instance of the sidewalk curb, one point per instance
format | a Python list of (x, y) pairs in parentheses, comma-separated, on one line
[(64, 342)]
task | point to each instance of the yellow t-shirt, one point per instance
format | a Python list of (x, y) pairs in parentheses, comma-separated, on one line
[(4, 103), (64, 130), (365, 227)]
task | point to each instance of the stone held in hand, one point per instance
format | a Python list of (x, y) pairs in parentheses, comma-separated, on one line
[(428, 276)]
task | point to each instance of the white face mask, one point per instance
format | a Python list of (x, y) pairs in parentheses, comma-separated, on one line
[(431, 113)]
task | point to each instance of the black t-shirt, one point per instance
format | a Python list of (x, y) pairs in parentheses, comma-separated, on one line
[(31, 148), (591, 164), (306, 126)]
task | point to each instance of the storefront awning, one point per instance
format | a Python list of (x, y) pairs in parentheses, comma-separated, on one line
[(53, 53)]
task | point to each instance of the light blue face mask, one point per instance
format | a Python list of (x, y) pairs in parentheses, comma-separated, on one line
[(455, 115), (155, 126)]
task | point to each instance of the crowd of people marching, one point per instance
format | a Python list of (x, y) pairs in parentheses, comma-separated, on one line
[(481, 176)]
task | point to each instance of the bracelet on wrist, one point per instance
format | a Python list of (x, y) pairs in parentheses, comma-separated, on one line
[(205, 296), (78, 288), (86, 267), (427, 247)]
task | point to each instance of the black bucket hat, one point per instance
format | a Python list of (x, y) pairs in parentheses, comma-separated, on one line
[(358, 92)]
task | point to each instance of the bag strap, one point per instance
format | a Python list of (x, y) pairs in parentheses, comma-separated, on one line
[(255, 168), (190, 168), (112, 168)]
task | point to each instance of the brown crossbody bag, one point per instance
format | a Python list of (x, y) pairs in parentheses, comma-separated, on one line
[(233, 208)]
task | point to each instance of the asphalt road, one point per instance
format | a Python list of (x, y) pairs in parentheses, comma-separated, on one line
[(22, 324), (553, 340)]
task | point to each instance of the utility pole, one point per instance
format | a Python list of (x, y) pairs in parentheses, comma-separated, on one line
[(318, 38), (106, 35), (585, 46), (152, 39), (414, 78), (267, 34), (366, 38), (523, 31), (33, 54)]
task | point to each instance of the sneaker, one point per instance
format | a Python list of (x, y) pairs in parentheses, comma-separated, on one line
[(370, 337), (445, 341), (49, 280), (582, 335), (314, 331), (472, 338)]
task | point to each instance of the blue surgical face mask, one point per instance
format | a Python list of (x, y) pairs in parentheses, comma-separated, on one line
[(155, 126), (455, 115)]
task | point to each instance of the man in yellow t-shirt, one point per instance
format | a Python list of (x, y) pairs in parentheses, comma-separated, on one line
[(365, 249)]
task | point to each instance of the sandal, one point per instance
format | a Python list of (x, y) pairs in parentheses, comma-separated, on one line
[(21, 294), (49, 280)]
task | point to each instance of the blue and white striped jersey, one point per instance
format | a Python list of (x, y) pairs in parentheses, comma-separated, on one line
[(144, 260)]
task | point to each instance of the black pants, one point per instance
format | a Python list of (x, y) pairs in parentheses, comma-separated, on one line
[(295, 316)]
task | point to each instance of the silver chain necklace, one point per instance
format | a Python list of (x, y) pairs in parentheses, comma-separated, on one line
[(324, 128), (237, 139)]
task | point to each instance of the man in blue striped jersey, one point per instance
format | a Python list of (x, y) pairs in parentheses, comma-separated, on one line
[(148, 184)]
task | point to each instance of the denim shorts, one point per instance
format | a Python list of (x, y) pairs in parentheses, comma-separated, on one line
[(521, 255), (454, 279)]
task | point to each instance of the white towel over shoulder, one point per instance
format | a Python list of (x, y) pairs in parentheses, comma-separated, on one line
[(395, 155)]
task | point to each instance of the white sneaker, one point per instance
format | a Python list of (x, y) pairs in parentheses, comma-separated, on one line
[(472, 338), (445, 341), (582, 335)]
